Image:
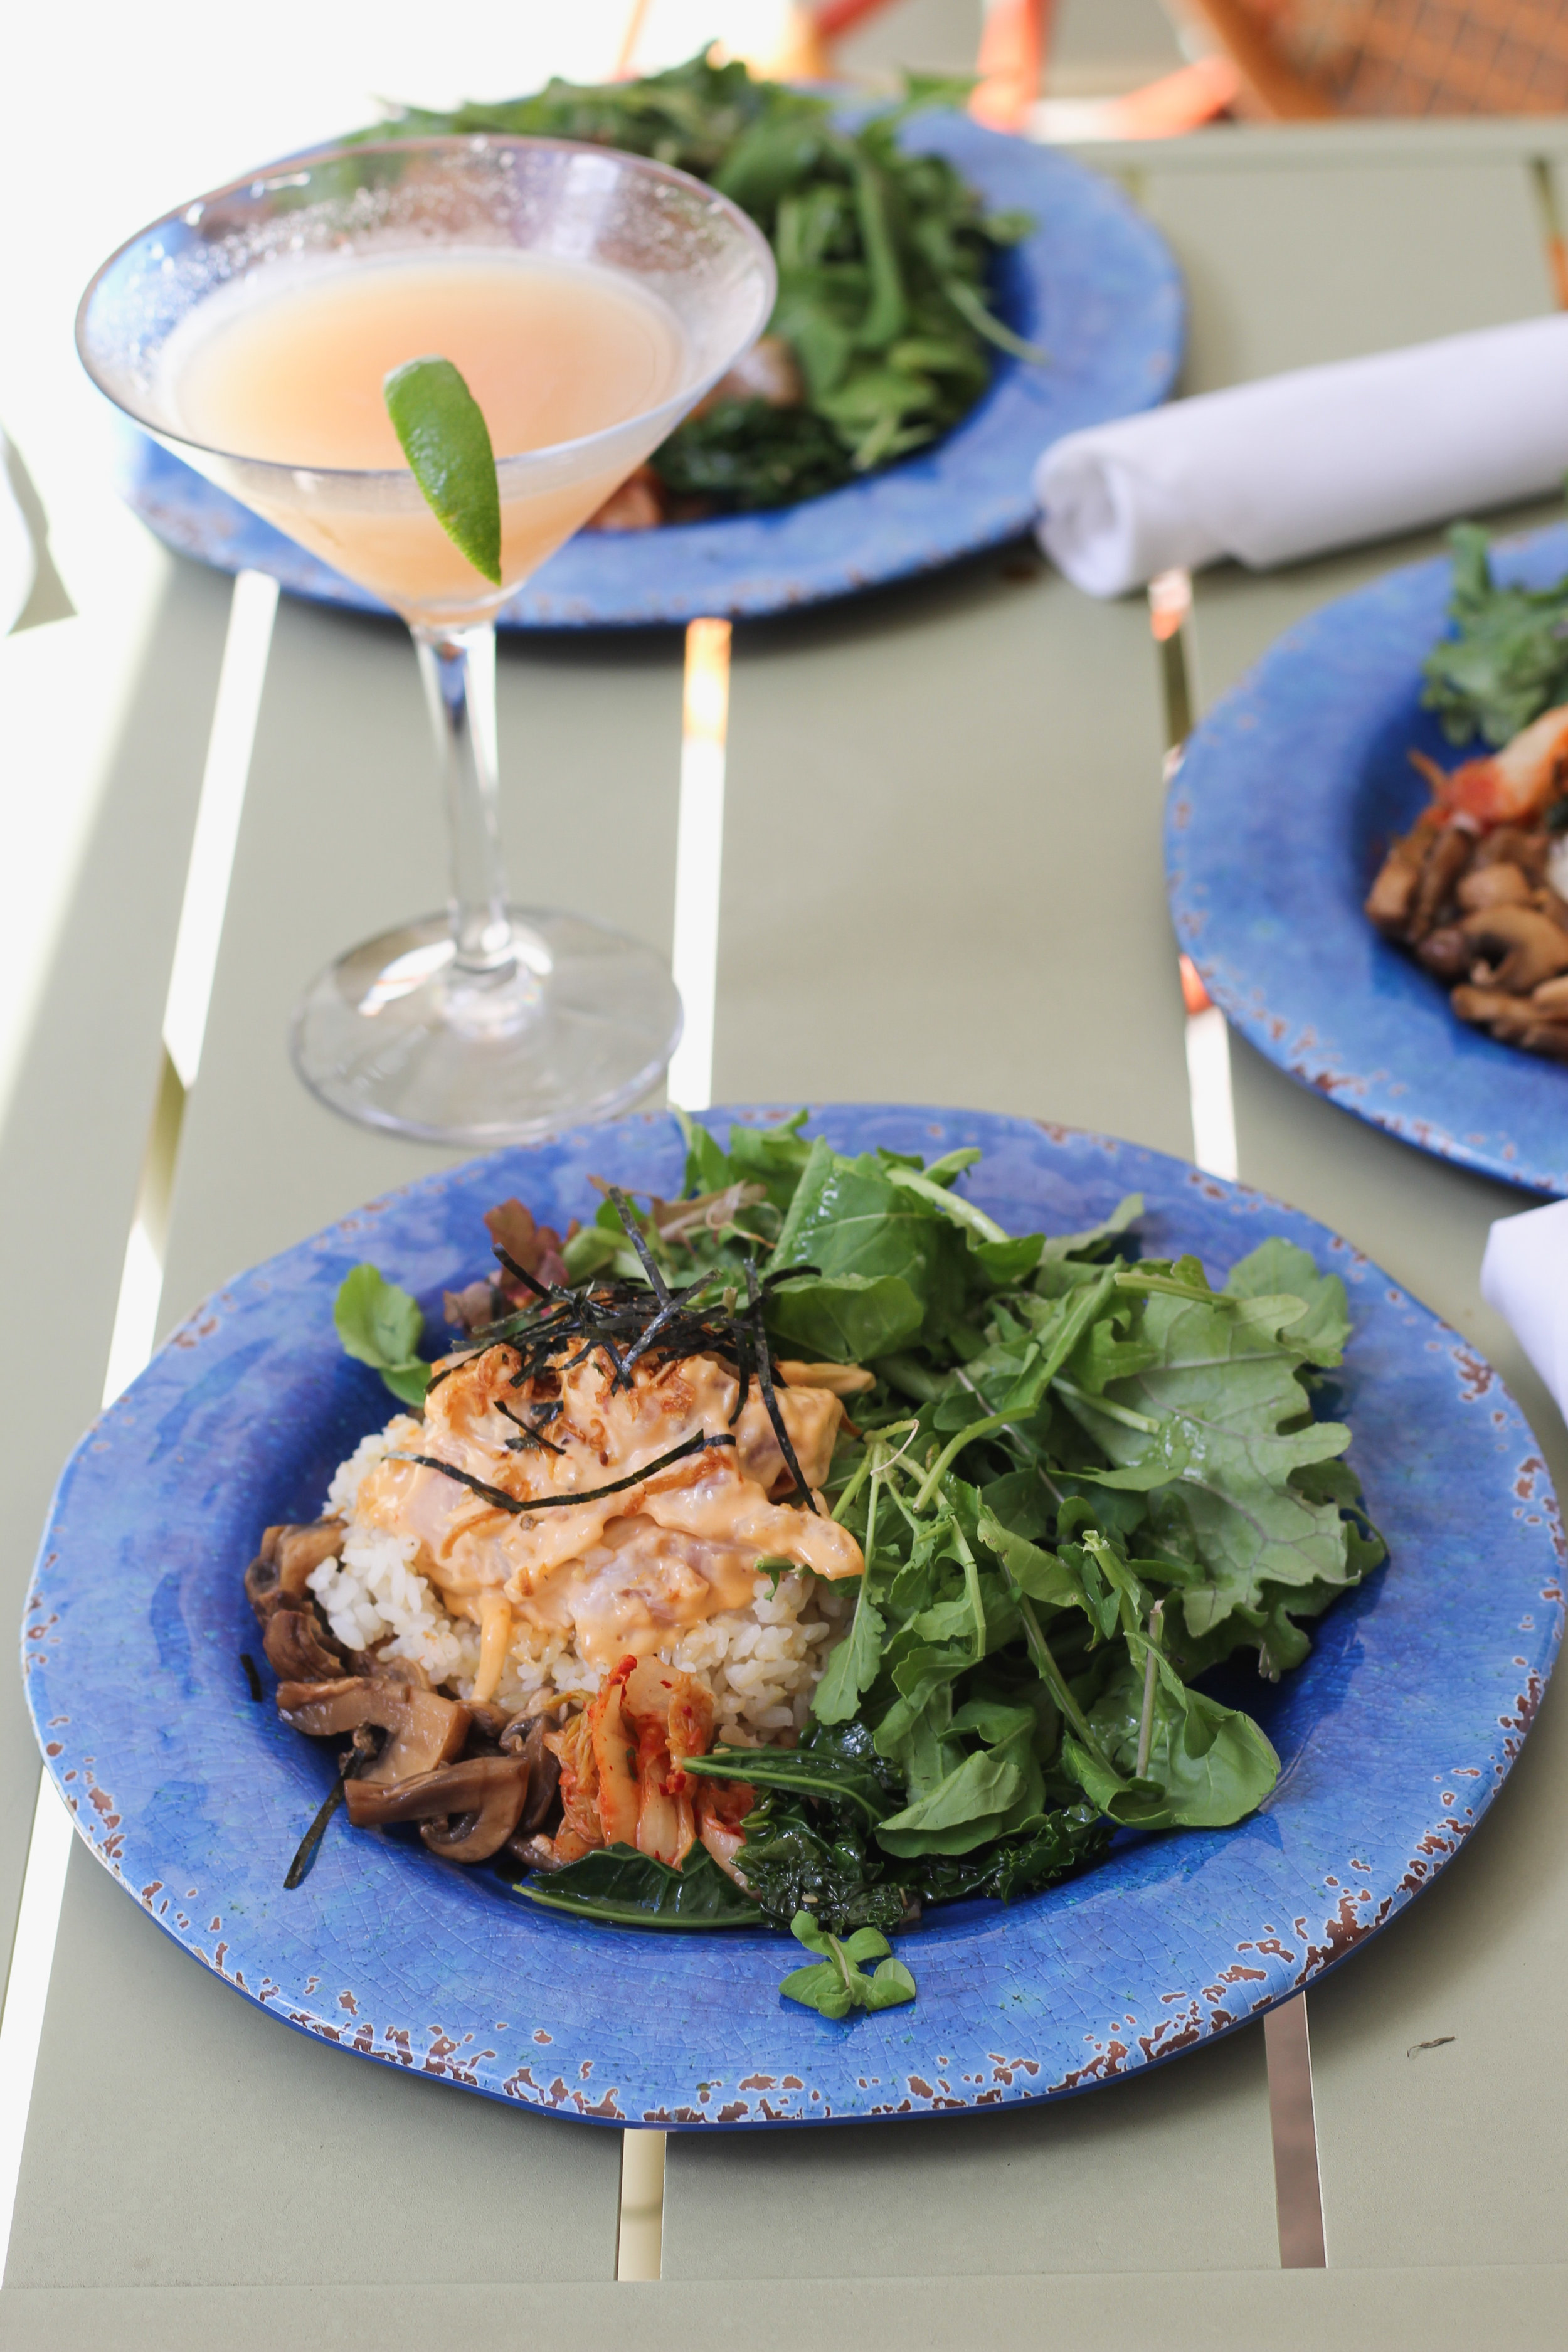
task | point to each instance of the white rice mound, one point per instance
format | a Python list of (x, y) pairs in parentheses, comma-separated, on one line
[(759, 1664)]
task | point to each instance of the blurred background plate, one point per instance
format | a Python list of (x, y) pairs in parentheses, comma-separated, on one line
[(1393, 1736), (1094, 286), (1276, 821)]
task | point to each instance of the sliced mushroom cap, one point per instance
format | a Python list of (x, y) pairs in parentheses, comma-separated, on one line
[(426, 1729), (1388, 902), (539, 1852), (1506, 845), (288, 1557), (300, 1551), (526, 1739), (492, 1721), (1486, 1005), (299, 1647), (1446, 860), (468, 1811), (1500, 883), (1523, 946), (1446, 952)]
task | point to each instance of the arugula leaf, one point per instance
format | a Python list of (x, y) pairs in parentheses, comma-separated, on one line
[(1507, 659), (448, 444), (865, 1233), (707, 1163), (836, 1983), (850, 1318), (1320, 1334), (959, 1813), (1095, 1240), (632, 1889), (852, 1664), (382, 1326), (773, 1156), (1217, 1422), (1208, 1765)]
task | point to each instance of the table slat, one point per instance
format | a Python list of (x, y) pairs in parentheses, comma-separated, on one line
[(1325, 262), (1080, 2184), (1423, 2309), (942, 874), (75, 1127)]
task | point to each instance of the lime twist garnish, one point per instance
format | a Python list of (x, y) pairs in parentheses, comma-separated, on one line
[(448, 444)]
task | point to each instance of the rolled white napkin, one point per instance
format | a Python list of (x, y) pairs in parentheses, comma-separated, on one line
[(1285, 467), (1524, 1274)]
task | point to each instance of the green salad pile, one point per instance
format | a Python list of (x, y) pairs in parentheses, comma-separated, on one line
[(1083, 1478), (1506, 659), (885, 257)]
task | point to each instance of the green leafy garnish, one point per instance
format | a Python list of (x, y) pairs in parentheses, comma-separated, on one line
[(836, 1983), (1507, 660), (382, 1326), (448, 444)]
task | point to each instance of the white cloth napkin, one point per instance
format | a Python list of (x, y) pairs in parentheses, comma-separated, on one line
[(1524, 1274), (1285, 467)]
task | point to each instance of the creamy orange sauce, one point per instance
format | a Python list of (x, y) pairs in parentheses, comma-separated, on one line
[(627, 1572)]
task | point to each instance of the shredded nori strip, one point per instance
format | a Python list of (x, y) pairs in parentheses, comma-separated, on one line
[(351, 1764), (251, 1677), (520, 1273), (626, 1323), (530, 1441), (803, 1493), (516, 1504)]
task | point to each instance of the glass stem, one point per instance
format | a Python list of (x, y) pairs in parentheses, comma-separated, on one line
[(458, 669)]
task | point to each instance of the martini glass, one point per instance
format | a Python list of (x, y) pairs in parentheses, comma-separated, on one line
[(488, 1022)]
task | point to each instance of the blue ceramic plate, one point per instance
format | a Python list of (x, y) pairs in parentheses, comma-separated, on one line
[(1094, 285), (1275, 823), (1394, 1736)]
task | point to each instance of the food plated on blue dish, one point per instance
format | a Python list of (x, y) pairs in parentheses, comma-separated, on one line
[(1363, 859), (914, 1530)]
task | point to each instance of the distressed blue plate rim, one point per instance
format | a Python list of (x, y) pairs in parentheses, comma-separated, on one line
[(1094, 283), (1394, 1736), (1273, 826)]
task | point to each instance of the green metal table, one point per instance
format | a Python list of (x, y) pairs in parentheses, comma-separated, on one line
[(941, 881)]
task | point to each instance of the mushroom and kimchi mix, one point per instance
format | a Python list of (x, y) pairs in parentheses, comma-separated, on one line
[(1477, 888), (809, 1549)]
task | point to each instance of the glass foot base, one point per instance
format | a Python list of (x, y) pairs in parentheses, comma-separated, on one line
[(578, 1024)]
